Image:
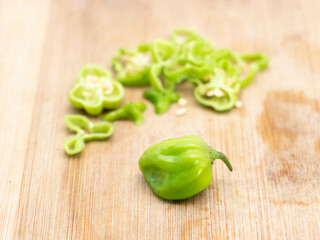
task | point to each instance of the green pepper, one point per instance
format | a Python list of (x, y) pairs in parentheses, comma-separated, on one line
[(179, 168), (197, 50), (158, 80), (161, 99), (92, 73), (179, 36), (85, 131), (216, 95), (255, 62), (187, 56), (95, 90), (163, 95), (132, 67), (181, 70), (163, 50), (130, 111)]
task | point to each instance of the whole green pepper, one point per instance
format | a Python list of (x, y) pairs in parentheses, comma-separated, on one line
[(179, 168), (130, 111)]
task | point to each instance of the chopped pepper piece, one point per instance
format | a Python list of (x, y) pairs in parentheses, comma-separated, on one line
[(255, 62), (132, 67), (130, 111), (179, 36), (217, 96), (95, 90), (163, 51), (161, 99), (179, 168), (85, 131)]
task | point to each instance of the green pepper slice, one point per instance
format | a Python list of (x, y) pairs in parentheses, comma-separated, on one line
[(132, 67), (179, 36), (85, 131), (163, 51), (130, 111), (161, 99), (254, 63), (216, 95), (95, 90)]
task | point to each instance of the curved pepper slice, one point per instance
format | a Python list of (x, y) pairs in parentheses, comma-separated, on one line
[(132, 67), (179, 168), (85, 131), (95, 90), (130, 111), (92, 73), (161, 99), (158, 80), (216, 95), (255, 62), (197, 50), (181, 70), (163, 50), (179, 36)]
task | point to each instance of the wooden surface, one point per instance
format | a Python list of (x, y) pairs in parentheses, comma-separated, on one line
[(273, 142)]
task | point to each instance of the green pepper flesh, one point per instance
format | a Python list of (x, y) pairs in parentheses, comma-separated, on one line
[(179, 168)]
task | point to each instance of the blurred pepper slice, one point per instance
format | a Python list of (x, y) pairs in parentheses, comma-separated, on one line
[(132, 67), (161, 99), (130, 111)]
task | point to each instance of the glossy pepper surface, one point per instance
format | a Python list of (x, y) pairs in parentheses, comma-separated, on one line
[(179, 168), (85, 131), (95, 90), (130, 111)]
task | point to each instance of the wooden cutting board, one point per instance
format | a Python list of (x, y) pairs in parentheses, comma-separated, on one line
[(273, 142)]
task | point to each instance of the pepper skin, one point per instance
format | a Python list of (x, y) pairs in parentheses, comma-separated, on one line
[(257, 62), (132, 67), (179, 168), (225, 102), (130, 111), (85, 131), (161, 99), (95, 90)]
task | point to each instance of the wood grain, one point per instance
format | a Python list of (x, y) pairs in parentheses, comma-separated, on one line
[(273, 141)]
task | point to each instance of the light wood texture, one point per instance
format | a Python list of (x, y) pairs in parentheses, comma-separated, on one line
[(273, 142)]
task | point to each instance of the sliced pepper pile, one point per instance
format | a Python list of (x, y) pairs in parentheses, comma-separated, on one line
[(218, 74), (94, 91)]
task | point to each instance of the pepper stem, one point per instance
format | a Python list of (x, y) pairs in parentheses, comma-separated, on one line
[(219, 155)]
